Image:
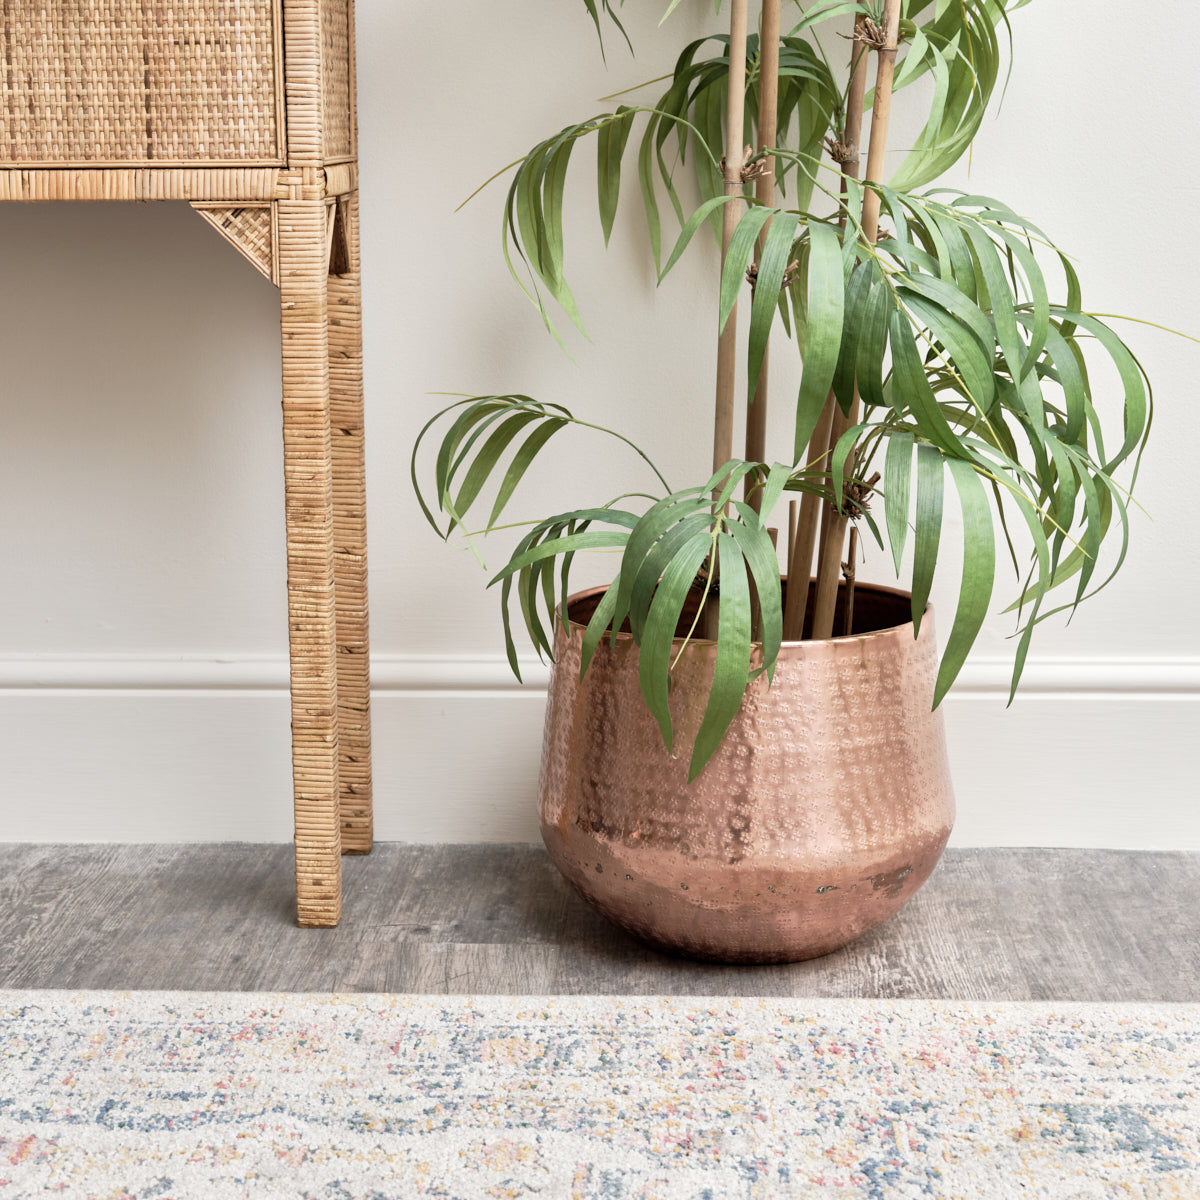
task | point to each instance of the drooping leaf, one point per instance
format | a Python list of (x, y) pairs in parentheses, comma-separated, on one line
[(737, 259), (978, 573), (655, 644), (656, 561), (897, 475), (521, 462), (485, 461), (754, 543), (857, 291), (610, 150), (928, 528), (872, 346), (822, 343), (732, 668), (776, 254), (597, 626), (651, 526), (912, 385)]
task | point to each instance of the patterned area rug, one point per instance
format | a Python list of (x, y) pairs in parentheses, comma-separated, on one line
[(174, 1096)]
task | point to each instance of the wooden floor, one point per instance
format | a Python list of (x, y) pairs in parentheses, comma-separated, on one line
[(991, 924)]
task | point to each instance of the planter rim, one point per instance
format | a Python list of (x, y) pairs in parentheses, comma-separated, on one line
[(845, 639)]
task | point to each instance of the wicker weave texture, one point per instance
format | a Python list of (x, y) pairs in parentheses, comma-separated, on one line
[(250, 229), (335, 60), (186, 100), (139, 81), (308, 489), (344, 300)]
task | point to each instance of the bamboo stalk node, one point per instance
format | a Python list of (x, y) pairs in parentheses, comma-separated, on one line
[(869, 33), (857, 496), (790, 274), (841, 152), (754, 166), (758, 167)]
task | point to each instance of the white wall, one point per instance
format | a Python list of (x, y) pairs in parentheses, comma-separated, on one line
[(142, 608)]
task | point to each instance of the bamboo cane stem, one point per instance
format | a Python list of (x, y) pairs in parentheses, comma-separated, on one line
[(764, 192), (727, 344), (732, 165), (830, 567), (885, 72), (800, 559), (850, 566), (801, 555)]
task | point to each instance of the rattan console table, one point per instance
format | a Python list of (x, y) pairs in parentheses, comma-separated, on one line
[(245, 109)]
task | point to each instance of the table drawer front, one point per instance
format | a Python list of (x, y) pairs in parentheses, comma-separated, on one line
[(132, 81)]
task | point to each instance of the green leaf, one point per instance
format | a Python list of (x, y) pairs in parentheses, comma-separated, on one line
[(650, 527), (756, 547), (594, 13), (510, 647), (1036, 283), (954, 300), (479, 411), (823, 12), (962, 348), (610, 151), (599, 539), (1001, 300), (521, 462), (596, 627), (896, 479), (412, 466), (731, 671), (912, 385), (553, 184), (837, 463), (826, 301), (724, 481), (1070, 378), (962, 265), (737, 259), (979, 567), (928, 526), (487, 458), (654, 657), (776, 253), (872, 346), (777, 481), (689, 230), (650, 199), (1137, 403), (857, 292), (656, 561), (1042, 552)]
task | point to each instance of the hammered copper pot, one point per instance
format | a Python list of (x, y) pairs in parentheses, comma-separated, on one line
[(825, 808)]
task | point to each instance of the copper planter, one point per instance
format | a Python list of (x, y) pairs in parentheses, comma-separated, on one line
[(828, 804)]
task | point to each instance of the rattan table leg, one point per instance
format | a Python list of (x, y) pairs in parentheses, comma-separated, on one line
[(308, 489), (350, 536)]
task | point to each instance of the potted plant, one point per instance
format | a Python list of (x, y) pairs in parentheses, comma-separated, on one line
[(734, 768)]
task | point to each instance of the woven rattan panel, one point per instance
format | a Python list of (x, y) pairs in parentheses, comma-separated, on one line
[(335, 34), (129, 81)]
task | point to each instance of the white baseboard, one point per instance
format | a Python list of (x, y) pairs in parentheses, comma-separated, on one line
[(1094, 752)]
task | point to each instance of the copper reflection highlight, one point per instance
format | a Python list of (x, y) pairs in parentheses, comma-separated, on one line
[(828, 804)]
